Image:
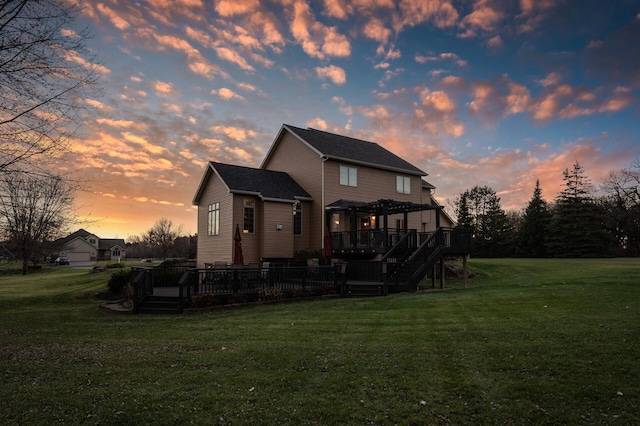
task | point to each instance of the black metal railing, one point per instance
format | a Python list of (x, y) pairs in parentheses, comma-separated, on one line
[(235, 280), (142, 285), (371, 240), (232, 280)]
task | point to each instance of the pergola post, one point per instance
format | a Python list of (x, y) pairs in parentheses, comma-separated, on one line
[(385, 232), (354, 231)]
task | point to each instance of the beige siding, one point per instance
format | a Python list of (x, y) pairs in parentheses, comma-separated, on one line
[(306, 240), (305, 166), (277, 243), (79, 246), (373, 184), (250, 242), (215, 248)]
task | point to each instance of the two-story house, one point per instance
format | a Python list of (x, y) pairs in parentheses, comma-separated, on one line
[(82, 246), (314, 190)]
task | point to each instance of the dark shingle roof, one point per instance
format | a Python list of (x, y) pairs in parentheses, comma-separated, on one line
[(80, 233), (350, 149), (103, 243), (266, 183), (109, 243), (427, 185)]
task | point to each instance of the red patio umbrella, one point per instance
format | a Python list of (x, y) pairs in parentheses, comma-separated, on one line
[(238, 259), (327, 243)]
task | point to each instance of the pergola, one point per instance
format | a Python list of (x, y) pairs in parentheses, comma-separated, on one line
[(381, 208)]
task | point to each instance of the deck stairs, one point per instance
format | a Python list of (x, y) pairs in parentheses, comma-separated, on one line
[(352, 288), (160, 305)]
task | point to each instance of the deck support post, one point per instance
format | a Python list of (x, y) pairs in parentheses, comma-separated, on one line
[(442, 273), (464, 270), (434, 270)]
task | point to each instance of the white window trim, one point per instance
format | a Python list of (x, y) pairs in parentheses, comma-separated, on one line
[(348, 176), (403, 184)]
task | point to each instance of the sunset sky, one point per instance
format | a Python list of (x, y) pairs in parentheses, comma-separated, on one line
[(474, 92)]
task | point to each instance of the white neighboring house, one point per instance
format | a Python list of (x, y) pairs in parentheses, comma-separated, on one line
[(83, 247)]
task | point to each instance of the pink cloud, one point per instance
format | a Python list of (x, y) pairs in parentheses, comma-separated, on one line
[(234, 7), (482, 19), (440, 13), (376, 30), (336, 74)]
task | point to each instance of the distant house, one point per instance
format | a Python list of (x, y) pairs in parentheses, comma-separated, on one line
[(83, 246), (314, 191)]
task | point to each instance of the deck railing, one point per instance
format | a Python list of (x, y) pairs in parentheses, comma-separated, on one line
[(371, 240), (233, 280)]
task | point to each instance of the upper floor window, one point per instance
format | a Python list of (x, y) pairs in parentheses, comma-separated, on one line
[(348, 176), (297, 220), (213, 219), (403, 185), (249, 216), (92, 240)]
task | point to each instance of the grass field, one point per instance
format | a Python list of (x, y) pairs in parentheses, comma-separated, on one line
[(528, 342)]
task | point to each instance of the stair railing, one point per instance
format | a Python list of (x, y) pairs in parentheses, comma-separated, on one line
[(142, 284), (424, 257), (402, 248)]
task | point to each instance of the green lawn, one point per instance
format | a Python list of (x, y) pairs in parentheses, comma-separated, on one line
[(528, 342)]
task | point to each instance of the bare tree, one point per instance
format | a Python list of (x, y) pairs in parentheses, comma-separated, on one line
[(34, 209), (622, 203), (162, 236), (45, 74)]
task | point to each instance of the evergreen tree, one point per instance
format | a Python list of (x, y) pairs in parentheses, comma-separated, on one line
[(577, 225), (479, 210), (465, 221), (535, 226)]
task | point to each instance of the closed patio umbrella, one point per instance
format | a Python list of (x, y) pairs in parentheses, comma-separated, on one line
[(238, 259), (327, 243)]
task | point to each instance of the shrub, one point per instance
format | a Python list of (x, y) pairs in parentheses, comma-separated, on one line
[(302, 292), (329, 289), (204, 300), (270, 293), (119, 281)]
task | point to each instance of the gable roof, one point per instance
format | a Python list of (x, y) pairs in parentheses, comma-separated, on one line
[(109, 243), (80, 233), (344, 148), (267, 184)]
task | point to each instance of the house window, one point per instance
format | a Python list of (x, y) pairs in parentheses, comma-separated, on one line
[(297, 220), (403, 185), (92, 240), (116, 253), (348, 176), (249, 216), (213, 219)]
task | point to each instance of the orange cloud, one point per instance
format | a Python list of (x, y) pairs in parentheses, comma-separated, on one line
[(235, 133), (316, 39), (227, 94), (234, 7), (163, 88)]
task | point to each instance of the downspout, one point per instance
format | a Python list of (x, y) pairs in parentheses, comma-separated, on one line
[(323, 213)]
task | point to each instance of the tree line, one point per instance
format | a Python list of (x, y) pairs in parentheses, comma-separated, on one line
[(163, 240), (577, 223)]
